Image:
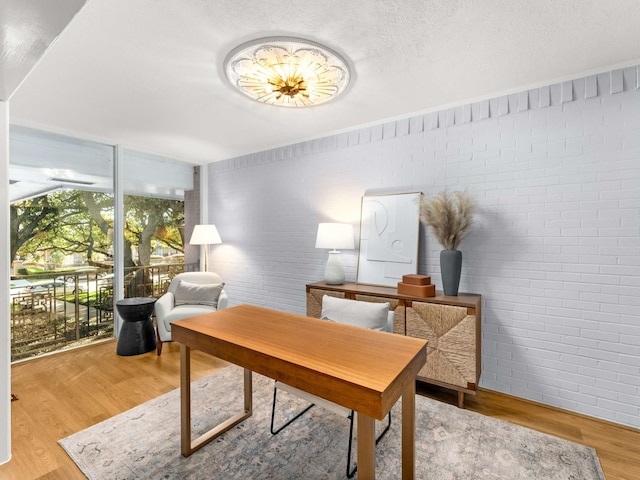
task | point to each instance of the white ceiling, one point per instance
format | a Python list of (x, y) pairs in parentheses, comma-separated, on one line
[(27, 29), (147, 73)]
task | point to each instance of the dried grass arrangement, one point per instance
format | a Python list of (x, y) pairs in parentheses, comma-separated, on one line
[(449, 214)]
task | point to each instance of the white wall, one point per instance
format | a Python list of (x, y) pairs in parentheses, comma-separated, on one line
[(5, 333), (555, 250)]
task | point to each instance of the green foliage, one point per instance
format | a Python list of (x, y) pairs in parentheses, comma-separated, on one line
[(36, 271), (74, 221), (152, 223)]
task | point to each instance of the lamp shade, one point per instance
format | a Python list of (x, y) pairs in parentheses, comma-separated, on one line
[(335, 235), (205, 235)]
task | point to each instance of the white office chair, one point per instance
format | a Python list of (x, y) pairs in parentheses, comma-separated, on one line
[(375, 316), (189, 294)]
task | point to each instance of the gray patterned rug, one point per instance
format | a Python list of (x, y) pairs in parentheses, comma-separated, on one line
[(144, 442)]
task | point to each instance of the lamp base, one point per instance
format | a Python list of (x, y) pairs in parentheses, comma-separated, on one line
[(334, 271)]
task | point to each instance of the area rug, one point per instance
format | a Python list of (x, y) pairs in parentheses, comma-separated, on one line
[(451, 443)]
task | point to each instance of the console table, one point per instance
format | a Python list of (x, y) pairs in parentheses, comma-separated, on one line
[(452, 326)]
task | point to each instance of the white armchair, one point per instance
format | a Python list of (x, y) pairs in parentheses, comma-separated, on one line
[(189, 294), (375, 316)]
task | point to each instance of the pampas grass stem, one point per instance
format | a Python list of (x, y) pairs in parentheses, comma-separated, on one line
[(449, 214)]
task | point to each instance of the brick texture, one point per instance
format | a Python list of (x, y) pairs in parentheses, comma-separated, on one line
[(554, 251)]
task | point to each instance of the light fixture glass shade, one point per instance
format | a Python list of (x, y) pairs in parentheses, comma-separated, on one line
[(205, 235), (335, 235), (287, 71)]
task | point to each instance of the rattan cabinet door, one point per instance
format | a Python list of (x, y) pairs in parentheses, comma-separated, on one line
[(451, 348)]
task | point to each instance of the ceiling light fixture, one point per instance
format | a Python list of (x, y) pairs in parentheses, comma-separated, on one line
[(287, 71)]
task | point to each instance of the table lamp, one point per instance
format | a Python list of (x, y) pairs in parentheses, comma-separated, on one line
[(334, 236), (205, 235)]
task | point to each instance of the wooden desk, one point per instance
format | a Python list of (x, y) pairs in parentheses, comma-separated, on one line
[(363, 370)]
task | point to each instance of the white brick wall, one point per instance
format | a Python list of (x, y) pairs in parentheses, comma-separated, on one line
[(555, 250)]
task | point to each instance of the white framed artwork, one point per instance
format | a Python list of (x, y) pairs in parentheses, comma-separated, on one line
[(389, 235)]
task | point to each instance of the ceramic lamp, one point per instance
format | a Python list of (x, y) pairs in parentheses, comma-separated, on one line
[(334, 236)]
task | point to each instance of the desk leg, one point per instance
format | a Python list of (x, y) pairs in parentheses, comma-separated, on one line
[(366, 447), (187, 445), (409, 432), (185, 400)]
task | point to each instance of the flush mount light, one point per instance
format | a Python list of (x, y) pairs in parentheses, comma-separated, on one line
[(287, 71)]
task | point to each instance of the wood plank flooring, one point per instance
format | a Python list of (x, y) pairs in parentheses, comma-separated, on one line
[(64, 393)]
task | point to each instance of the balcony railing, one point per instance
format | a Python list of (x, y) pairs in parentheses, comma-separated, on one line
[(71, 309)]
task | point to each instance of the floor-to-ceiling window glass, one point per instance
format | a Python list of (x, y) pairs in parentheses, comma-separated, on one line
[(154, 189), (62, 236), (61, 213)]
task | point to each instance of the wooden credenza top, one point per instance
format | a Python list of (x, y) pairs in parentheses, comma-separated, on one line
[(468, 300)]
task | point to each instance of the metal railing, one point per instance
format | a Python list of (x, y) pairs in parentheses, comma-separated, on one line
[(56, 312)]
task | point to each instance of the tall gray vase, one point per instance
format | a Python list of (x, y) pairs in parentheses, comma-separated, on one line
[(450, 269)]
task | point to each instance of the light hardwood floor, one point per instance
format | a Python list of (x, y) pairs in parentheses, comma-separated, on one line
[(67, 392)]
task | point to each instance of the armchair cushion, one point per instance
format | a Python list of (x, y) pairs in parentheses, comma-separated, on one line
[(178, 313), (188, 293), (186, 311), (352, 312)]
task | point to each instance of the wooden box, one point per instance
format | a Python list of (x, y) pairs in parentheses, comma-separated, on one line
[(416, 279), (421, 291)]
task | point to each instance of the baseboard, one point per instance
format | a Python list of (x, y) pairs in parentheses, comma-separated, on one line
[(561, 410)]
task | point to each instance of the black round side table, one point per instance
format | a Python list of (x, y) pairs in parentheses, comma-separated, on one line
[(137, 334)]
